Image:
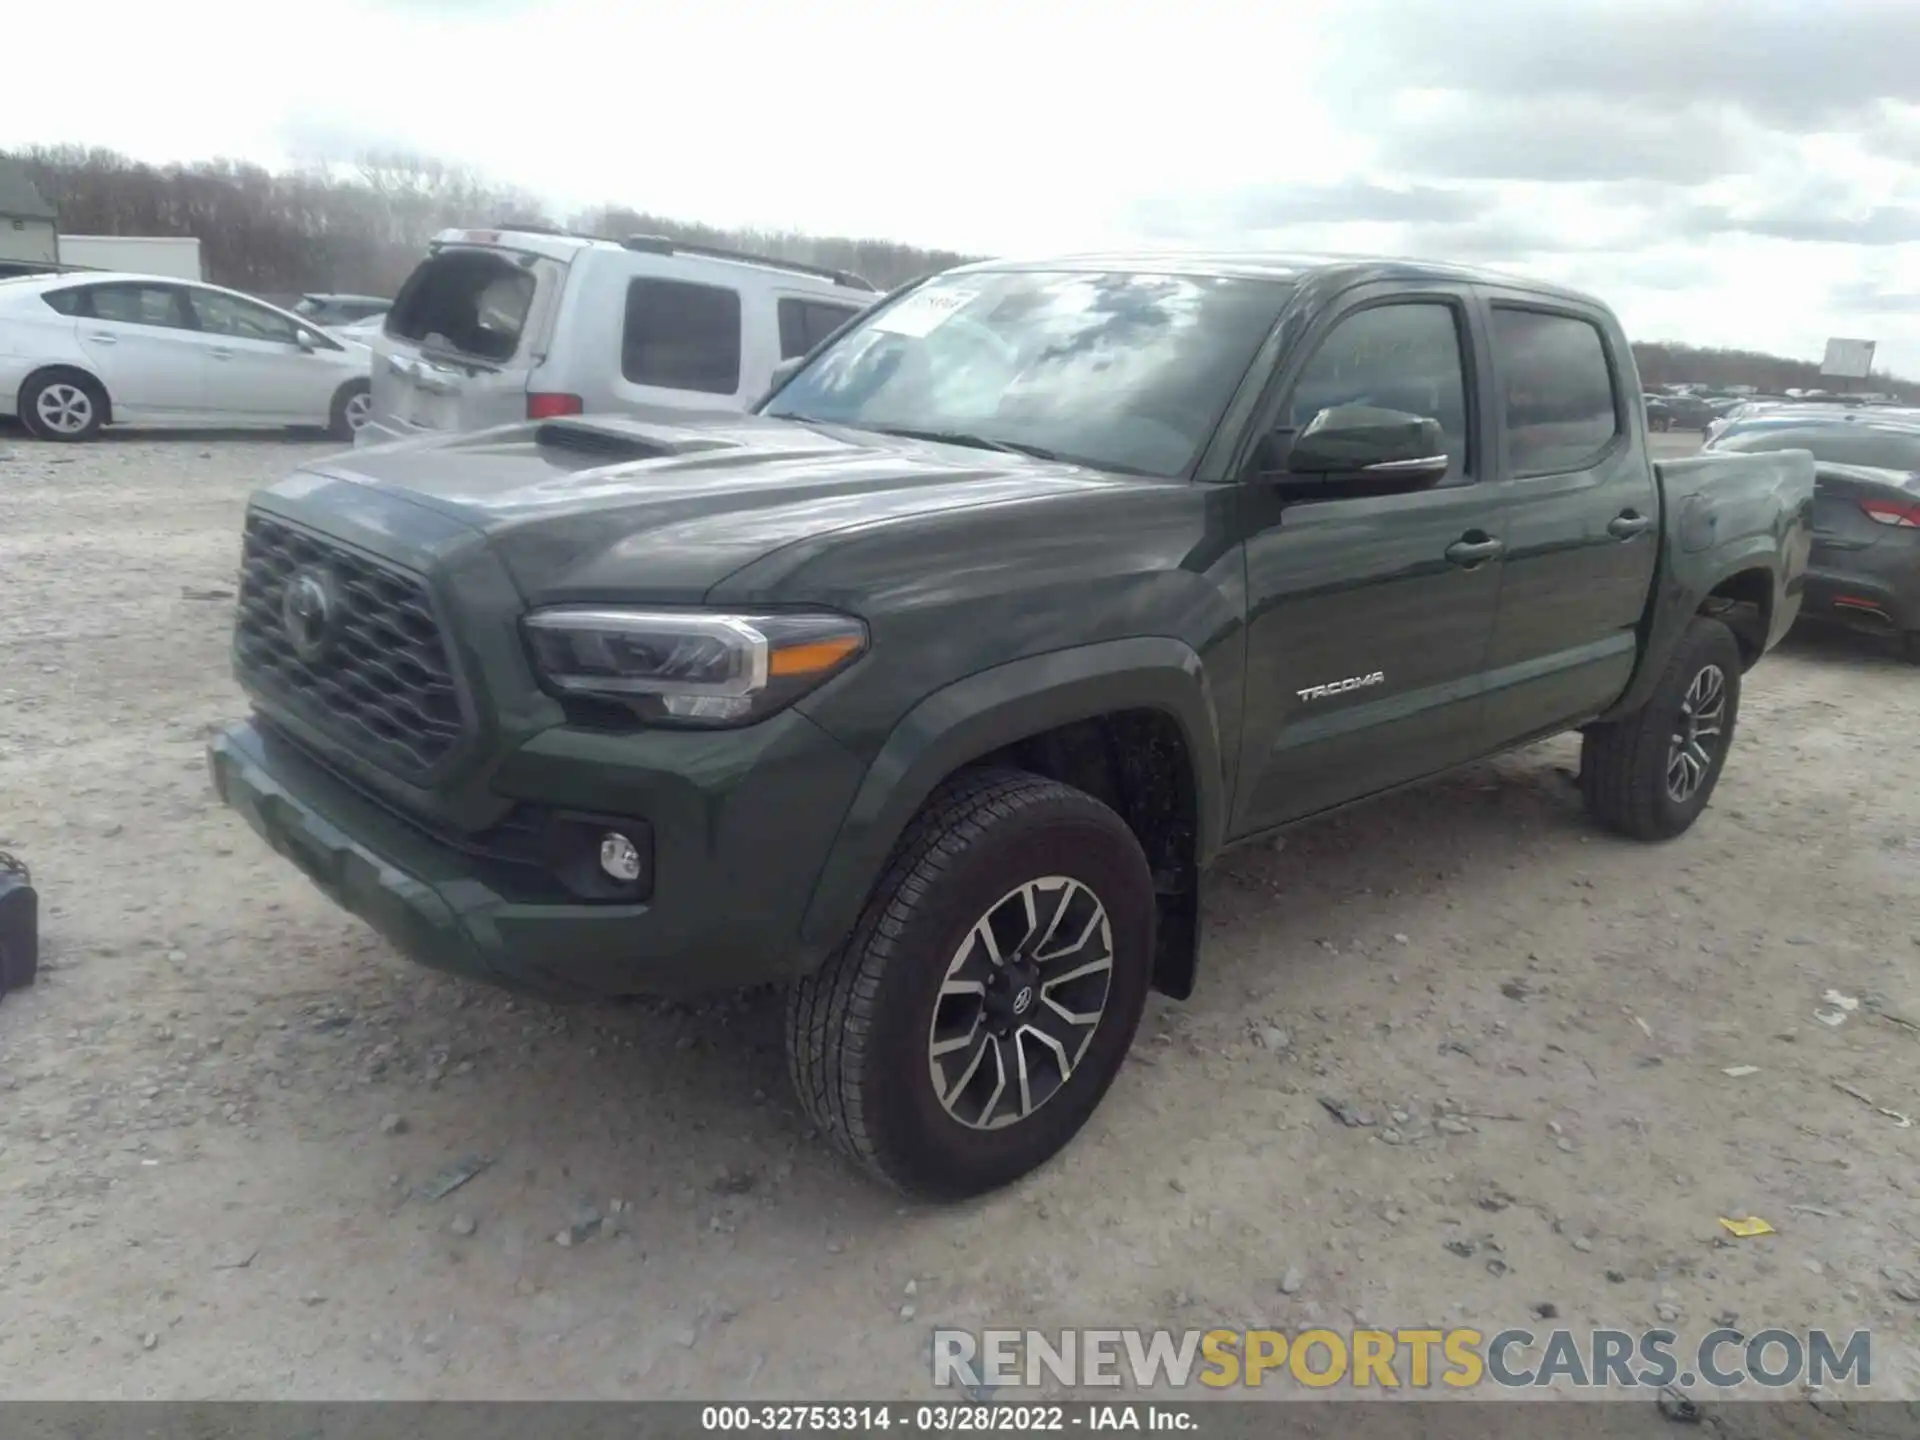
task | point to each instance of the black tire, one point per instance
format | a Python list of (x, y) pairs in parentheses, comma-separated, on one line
[(1910, 647), (1627, 766), (78, 396), (340, 424), (860, 1031)]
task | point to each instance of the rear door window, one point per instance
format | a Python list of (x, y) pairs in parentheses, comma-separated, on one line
[(474, 302), (1561, 410), (680, 336), (135, 304), (805, 323)]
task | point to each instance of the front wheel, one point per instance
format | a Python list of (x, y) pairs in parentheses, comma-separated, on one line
[(985, 1001), (1650, 774)]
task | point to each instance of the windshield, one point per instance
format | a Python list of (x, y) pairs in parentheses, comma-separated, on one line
[(1843, 444), (1126, 372)]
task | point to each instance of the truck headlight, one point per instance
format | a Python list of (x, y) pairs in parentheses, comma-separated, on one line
[(692, 667)]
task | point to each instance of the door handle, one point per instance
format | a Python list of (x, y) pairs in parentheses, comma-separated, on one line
[(1468, 552), (221, 354), (104, 339), (1628, 524)]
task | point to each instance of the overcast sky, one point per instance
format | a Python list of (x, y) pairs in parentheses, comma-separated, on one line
[(1741, 174)]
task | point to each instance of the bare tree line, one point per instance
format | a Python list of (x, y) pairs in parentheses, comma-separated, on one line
[(1669, 362), (362, 229)]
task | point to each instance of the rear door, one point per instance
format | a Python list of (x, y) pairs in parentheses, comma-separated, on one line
[(462, 338), (1582, 516), (138, 335), (1369, 617)]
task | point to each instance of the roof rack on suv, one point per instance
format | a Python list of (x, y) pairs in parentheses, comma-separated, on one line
[(661, 245)]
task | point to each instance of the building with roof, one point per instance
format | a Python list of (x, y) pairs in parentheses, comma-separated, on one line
[(28, 230)]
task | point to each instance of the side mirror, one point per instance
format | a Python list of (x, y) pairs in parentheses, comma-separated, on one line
[(784, 372), (1360, 449), (304, 340)]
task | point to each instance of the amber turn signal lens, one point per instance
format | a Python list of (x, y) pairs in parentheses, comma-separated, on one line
[(812, 657)]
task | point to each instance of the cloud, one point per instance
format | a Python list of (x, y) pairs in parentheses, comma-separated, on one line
[(1895, 133), (1864, 297), (1269, 207), (1572, 139), (1881, 225), (1790, 65), (1712, 169)]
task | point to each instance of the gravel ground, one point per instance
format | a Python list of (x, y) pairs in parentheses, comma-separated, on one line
[(223, 1109)]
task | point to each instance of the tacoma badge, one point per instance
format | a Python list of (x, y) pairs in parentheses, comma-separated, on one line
[(1340, 687)]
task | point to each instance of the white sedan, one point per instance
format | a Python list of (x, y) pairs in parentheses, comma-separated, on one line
[(83, 350)]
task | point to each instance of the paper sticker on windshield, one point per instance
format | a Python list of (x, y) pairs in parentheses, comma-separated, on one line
[(924, 311)]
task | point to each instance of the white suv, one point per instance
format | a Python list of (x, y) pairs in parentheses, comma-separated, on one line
[(496, 326)]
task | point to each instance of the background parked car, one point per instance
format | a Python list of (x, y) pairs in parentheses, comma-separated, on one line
[(502, 325), (83, 350), (336, 310), (1865, 568), (360, 331), (1679, 412)]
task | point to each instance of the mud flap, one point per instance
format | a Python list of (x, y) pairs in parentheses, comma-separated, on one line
[(19, 926)]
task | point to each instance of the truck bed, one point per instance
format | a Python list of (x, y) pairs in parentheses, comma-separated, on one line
[(1736, 526)]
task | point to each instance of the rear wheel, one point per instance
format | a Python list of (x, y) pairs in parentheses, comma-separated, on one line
[(1651, 773), (987, 996), (351, 408), (63, 406)]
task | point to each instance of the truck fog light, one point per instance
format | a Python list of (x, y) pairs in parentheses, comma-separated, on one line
[(619, 857)]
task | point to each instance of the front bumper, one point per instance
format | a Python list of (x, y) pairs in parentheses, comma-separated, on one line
[(741, 823)]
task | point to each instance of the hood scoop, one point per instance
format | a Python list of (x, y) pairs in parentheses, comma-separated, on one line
[(616, 439)]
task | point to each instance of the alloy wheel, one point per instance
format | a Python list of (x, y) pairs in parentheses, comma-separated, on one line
[(1020, 1002), (1697, 734), (358, 409), (63, 408)]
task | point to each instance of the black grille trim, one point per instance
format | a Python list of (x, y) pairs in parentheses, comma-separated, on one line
[(385, 687)]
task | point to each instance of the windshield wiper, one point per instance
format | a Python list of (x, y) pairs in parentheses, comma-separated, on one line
[(961, 437)]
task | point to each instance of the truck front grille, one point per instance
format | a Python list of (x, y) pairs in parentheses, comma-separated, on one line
[(349, 644)]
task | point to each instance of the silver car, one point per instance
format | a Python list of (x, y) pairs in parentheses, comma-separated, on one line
[(500, 326)]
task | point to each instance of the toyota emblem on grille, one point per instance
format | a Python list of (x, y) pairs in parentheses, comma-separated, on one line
[(307, 613)]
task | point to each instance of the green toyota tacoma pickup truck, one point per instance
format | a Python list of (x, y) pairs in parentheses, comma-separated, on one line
[(929, 688)]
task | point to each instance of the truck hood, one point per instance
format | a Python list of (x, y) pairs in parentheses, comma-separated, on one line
[(664, 505)]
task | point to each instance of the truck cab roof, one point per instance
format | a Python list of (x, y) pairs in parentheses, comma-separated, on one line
[(1296, 267)]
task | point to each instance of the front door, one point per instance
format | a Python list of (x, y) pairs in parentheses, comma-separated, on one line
[(1583, 516), (257, 369), (140, 340), (1370, 617)]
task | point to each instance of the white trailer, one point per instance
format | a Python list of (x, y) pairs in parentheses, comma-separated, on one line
[(172, 255)]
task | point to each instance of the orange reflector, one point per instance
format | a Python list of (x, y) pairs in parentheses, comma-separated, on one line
[(812, 657)]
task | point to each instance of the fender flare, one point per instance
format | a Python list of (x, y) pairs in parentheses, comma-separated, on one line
[(993, 708), (1678, 598)]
